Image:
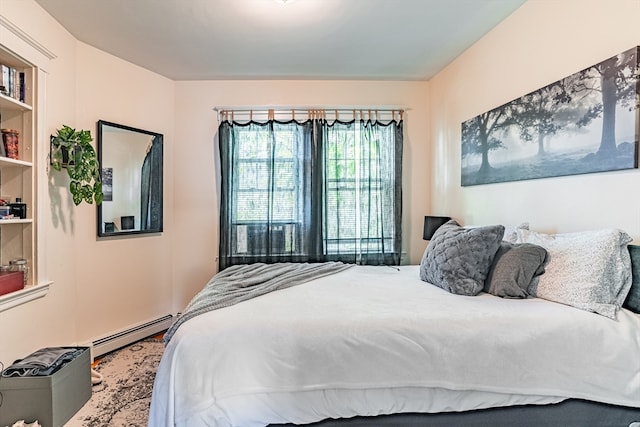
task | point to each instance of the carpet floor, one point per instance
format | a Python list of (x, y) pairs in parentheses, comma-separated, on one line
[(124, 396)]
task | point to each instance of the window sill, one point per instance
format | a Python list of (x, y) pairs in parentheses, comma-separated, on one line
[(23, 296)]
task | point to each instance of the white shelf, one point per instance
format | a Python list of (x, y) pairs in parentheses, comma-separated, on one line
[(16, 221), (6, 162), (9, 103), (22, 296)]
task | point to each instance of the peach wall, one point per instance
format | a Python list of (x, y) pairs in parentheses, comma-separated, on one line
[(196, 198), (102, 286), (49, 320), (99, 287), (541, 42), (122, 281)]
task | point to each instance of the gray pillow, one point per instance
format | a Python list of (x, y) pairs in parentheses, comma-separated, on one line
[(515, 267), (457, 259), (632, 302)]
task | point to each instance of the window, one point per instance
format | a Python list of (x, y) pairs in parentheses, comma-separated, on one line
[(267, 198), (358, 189), (311, 191), (267, 165)]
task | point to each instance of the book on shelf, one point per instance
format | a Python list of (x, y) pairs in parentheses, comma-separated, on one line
[(12, 82), (21, 85), (3, 152), (5, 75), (14, 85)]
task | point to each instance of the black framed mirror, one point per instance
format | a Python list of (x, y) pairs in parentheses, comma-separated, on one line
[(131, 165)]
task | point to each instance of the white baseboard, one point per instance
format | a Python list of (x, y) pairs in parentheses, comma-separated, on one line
[(129, 335)]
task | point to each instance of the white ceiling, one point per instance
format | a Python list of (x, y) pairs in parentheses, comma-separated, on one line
[(265, 39)]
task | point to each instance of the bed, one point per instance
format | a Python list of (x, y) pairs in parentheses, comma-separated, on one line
[(379, 345)]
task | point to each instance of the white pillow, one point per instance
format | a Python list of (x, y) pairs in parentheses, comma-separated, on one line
[(589, 270), (511, 232)]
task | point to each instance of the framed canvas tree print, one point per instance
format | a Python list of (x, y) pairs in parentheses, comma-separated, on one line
[(584, 123)]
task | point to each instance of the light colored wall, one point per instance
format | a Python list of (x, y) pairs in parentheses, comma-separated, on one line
[(123, 280), (50, 320), (541, 42), (100, 286), (196, 197)]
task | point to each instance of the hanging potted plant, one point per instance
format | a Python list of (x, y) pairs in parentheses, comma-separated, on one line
[(72, 149)]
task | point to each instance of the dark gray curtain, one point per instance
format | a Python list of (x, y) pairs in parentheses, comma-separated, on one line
[(151, 188), (266, 212), (310, 191)]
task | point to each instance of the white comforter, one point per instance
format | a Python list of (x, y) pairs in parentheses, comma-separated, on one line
[(374, 340)]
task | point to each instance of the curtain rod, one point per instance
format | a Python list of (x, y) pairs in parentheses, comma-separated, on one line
[(285, 108), (270, 113)]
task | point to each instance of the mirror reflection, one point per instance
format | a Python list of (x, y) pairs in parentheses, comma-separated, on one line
[(131, 163)]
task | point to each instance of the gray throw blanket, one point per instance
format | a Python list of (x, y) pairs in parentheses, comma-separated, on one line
[(242, 282)]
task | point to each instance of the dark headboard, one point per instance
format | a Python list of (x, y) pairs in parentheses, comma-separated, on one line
[(633, 299)]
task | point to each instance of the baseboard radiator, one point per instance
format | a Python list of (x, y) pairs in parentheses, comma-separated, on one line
[(125, 337)]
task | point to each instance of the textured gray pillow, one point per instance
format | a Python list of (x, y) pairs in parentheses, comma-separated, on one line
[(515, 267), (457, 259), (589, 270)]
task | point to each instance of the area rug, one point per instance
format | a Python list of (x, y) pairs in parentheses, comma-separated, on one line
[(124, 396)]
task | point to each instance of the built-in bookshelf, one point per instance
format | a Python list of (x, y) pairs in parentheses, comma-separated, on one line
[(18, 173)]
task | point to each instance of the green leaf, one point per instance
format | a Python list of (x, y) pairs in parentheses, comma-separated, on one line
[(98, 196)]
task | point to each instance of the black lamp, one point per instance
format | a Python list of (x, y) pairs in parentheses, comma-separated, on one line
[(431, 224)]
